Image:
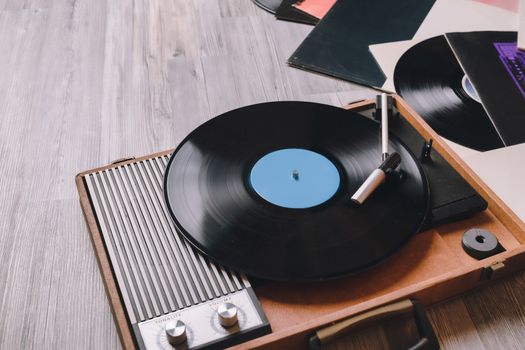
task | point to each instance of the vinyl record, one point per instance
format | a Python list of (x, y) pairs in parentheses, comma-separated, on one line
[(430, 79), (230, 186), (269, 5)]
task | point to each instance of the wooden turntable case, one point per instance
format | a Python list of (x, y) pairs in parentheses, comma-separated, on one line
[(431, 267)]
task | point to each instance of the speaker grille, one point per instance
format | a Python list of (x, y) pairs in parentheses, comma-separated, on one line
[(157, 270)]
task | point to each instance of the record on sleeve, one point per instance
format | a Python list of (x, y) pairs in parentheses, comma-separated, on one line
[(429, 77), (265, 189)]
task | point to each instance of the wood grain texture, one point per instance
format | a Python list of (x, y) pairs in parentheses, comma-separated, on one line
[(86, 82)]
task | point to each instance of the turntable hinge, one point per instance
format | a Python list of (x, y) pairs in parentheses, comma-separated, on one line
[(493, 271), (393, 114), (122, 160)]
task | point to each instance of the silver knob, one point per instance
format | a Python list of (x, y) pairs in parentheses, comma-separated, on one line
[(176, 332), (227, 314)]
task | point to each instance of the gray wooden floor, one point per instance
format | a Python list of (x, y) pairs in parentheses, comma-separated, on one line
[(84, 82)]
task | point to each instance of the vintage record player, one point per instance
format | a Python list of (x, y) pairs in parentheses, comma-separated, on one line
[(168, 289)]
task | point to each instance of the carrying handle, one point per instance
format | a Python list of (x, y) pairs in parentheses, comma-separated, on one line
[(427, 341)]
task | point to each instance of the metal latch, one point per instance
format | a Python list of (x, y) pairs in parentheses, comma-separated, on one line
[(493, 271)]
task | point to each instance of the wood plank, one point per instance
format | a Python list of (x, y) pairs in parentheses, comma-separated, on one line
[(454, 327)]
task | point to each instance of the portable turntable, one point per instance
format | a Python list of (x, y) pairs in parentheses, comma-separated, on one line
[(164, 288)]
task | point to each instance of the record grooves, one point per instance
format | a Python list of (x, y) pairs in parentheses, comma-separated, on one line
[(214, 204), (429, 77)]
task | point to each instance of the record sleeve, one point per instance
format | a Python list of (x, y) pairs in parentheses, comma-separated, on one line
[(461, 16), (496, 68), (429, 77), (286, 11), (315, 8), (338, 45)]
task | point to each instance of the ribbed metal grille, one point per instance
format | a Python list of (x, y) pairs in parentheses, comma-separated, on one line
[(156, 270)]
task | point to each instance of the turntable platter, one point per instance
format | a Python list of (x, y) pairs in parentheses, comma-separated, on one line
[(265, 189)]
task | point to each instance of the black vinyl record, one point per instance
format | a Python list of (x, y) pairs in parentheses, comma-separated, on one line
[(269, 5), (429, 78), (213, 204)]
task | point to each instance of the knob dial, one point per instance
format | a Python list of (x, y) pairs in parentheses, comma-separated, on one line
[(176, 332), (227, 314)]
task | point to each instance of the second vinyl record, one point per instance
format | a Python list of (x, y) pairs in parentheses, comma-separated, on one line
[(429, 77), (265, 189)]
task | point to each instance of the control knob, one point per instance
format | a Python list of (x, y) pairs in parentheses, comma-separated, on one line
[(227, 314), (176, 332)]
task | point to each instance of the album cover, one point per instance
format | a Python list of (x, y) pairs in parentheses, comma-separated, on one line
[(461, 15), (496, 68), (338, 45), (286, 11), (315, 8)]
